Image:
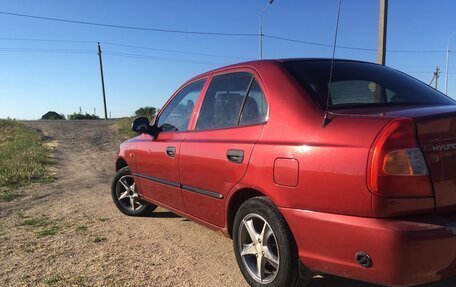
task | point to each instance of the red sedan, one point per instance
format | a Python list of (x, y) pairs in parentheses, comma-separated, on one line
[(370, 194)]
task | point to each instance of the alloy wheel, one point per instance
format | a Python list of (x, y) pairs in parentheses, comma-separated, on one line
[(258, 248), (126, 193)]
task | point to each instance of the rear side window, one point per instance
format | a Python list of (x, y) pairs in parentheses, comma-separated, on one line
[(255, 108), (223, 101), (176, 115), (231, 100)]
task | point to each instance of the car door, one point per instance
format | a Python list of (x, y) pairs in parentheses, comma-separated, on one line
[(215, 154), (157, 158)]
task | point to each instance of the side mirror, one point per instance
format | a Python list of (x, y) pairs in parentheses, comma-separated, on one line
[(140, 125)]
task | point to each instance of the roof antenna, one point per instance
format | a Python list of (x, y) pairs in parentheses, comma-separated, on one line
[(325, 118)]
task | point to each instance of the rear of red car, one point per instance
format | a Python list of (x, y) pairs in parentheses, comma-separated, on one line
[(410, 235), (413, 160)]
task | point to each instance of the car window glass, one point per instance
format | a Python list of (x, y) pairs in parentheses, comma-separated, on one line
[(223, 101), (359, 92), (356, 84), (176, 115), (255, 108)]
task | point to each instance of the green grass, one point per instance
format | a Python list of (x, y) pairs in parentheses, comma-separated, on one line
[(24, 158), (123, 128), (43, 221), (7, 195), (48, 231)]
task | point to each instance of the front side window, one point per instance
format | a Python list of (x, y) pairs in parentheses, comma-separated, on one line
[(176, 115), (223, 101)]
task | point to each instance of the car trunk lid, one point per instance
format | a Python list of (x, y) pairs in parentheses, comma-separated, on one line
[(437, 137)]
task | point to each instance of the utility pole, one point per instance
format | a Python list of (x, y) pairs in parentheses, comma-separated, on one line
[(382, 29), (102, 81), (436, 77)]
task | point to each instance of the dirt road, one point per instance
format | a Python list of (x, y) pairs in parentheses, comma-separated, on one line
[(68, 233)]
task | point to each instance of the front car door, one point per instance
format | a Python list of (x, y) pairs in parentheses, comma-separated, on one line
[(157, 158), (215, 154)]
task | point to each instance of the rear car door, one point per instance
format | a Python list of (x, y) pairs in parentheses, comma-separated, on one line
[(157, 158), (215, 154)]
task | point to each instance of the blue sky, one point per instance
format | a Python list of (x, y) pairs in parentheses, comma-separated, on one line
[(35, 78)]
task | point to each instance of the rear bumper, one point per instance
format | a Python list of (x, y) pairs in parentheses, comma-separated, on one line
[(404, 252)]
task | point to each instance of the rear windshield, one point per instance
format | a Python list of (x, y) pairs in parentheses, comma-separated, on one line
[(357, 84)]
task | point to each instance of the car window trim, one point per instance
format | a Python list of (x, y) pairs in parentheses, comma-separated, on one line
[(244, 100), (227, 128)]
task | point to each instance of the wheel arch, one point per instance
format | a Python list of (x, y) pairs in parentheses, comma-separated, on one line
[(235, 201), (120, 163)]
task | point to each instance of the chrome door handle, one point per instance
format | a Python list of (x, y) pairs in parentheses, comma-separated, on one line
[(171, 151), (235, 155)]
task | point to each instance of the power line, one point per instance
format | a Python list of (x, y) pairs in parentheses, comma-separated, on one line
[(348, 47), (209, 34), (176, 60), (297, 41), (417, 51), (428, 73), (148, 57), (126, 45), (128, 27), (216, 55), (110, 53), (47, 40), (38, 50), (174, 51)]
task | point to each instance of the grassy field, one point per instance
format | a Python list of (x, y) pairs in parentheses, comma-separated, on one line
[(123, 130), (23, 158)]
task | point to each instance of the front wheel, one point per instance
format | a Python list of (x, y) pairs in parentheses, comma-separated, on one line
[(265, 250), (125, 196)]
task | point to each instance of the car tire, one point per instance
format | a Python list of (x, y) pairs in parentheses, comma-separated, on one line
[(274, 248), (124, 195)]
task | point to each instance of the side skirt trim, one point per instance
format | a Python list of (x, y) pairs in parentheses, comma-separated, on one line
[(184, 187)]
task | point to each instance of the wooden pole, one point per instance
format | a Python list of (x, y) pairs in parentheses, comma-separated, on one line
[(102, 82), (382, 29)]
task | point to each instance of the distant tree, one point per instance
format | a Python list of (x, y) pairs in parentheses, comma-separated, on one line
[(86, 116), (148, 112), (52, 116)]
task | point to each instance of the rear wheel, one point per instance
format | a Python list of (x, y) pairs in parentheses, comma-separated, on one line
[(265, 250), (125, 196)]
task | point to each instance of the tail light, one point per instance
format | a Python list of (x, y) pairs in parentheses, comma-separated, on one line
[(396, 164)]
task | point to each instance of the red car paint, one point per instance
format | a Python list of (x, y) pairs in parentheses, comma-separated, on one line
[(317, 177)]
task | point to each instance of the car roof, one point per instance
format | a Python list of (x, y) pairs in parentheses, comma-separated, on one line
[(259, 63)]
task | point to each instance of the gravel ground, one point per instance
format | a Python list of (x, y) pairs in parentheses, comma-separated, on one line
[(68, 233)]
